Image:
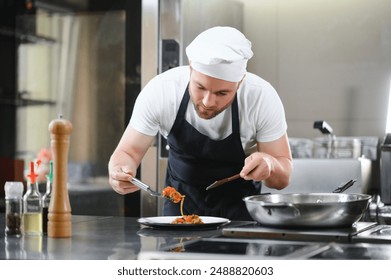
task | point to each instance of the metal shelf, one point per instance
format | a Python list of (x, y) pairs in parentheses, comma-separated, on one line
[(25, 38), (23, 102)]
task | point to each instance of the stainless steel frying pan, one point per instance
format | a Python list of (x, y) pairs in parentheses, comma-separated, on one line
[(307, 210)]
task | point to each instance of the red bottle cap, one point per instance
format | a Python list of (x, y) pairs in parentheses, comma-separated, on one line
[(32, 176)]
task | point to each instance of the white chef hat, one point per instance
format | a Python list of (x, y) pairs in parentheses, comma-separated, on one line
[(221, 52)]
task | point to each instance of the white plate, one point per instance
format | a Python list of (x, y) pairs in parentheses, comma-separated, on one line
[(166, 222)]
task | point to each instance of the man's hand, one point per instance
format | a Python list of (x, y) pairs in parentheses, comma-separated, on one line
[(119, 179), (257, 167)]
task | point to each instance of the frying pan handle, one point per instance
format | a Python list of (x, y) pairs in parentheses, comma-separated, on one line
[(344, 187)]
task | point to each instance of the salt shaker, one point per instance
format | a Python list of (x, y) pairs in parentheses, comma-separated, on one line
[(13, 208)]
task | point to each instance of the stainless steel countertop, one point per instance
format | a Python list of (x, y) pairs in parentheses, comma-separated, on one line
[(93, 238), (122, 238)]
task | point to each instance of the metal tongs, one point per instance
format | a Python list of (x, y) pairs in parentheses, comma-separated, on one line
[(345, 186), (145, 187), (222, 181)]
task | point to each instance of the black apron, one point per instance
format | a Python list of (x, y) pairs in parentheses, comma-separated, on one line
[(196, 161)]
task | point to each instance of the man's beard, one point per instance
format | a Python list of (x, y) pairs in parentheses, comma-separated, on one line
[(205, 113), (208, 113)]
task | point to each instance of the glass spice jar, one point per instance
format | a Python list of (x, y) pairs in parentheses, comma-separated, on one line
[(13, 208)]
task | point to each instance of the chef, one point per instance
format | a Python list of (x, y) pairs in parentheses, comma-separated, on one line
[(219, 120)]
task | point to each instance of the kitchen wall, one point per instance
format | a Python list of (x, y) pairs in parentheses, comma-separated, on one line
[(328, 59)]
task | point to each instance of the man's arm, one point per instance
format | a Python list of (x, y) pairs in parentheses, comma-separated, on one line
[(126, 158), (272, 164)]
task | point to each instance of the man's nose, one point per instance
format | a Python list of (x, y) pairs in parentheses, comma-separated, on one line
[(209, 100)]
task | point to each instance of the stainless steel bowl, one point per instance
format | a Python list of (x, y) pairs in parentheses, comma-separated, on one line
[(307, 210)]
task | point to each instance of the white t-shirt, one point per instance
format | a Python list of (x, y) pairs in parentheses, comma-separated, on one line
[(261, 113)]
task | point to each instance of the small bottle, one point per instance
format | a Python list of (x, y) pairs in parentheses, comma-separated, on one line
[(32, 206), (46, 199), (13, 208)]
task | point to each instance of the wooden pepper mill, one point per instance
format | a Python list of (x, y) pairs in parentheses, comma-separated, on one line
[(59, 218)]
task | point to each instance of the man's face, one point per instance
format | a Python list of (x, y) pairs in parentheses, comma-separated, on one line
[(209, 95)]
